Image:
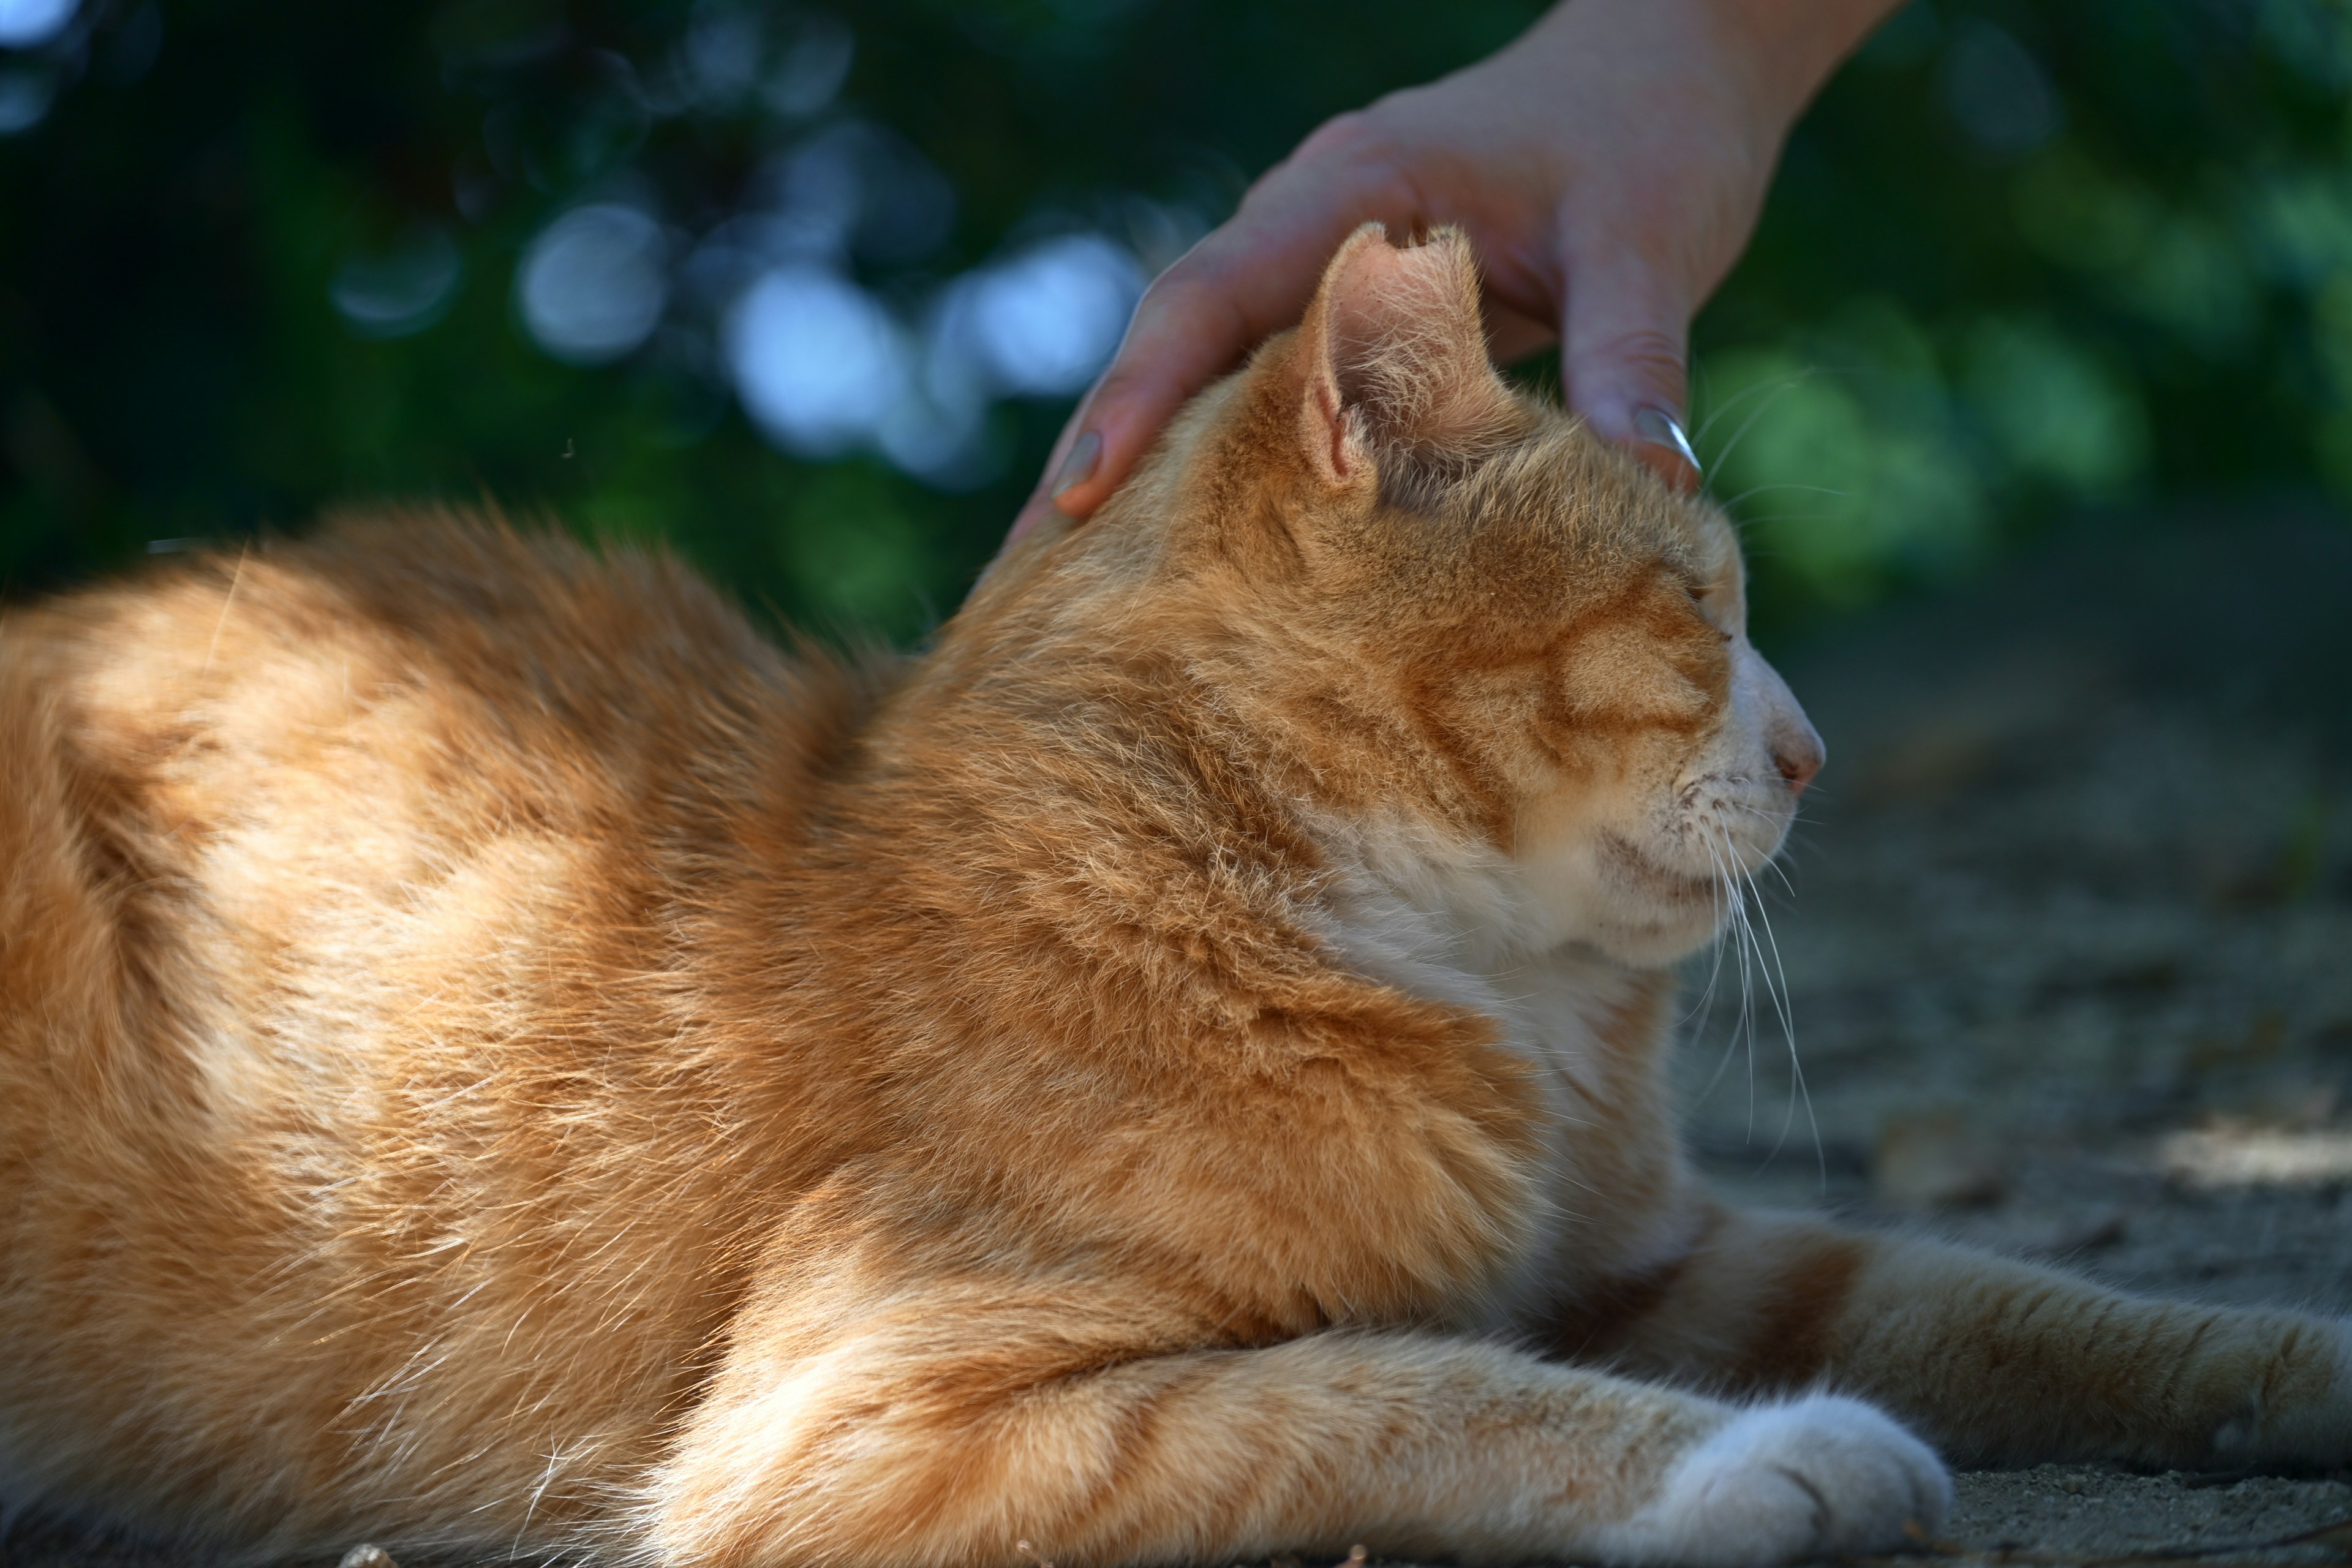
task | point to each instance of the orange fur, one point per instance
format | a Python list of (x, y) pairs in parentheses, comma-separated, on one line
[(493, 1052)]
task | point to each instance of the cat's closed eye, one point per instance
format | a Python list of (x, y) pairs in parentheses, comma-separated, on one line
[(1706, 596)]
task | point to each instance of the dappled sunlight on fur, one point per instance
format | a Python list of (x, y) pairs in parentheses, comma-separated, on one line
[(494, 1054)]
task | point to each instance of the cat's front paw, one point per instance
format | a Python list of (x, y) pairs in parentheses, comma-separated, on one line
[(1780, 1483)]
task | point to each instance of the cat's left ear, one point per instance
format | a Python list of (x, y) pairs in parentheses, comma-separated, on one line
[(1395, 358)]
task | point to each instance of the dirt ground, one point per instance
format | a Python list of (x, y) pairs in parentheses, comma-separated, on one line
[(2068, 944), (2068, 941)]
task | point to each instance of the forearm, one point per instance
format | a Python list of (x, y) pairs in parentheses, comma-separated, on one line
[(1991, 1358), (927, 1434), (1776, 52)]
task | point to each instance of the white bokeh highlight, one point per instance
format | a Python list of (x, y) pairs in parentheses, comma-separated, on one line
[(818, 362), (822, 364), (823, 367), (593, 286), (1046, 320), (27, 24)]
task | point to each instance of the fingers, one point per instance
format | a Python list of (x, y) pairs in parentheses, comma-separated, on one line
[(1624, 355), (1179, 341), (1039, 508), (1187, 329), (1084, 466), (1252, 277)]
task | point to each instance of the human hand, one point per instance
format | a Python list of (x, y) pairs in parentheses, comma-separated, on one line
[(1608, 166)]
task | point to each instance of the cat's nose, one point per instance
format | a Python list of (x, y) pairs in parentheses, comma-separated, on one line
[(1795, 744), (1798, 752)]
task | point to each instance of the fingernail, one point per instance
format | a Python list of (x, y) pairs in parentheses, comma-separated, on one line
[(1661, 429), (1086, 453)]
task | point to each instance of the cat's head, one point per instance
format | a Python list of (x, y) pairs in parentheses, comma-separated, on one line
[(1501, 662)]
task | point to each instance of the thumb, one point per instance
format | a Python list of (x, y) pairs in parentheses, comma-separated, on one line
[(1624, 354)]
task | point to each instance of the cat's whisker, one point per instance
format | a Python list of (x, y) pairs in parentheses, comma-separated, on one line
[(1718, 411), (1744, 1032), (1754, 966), (1731, 501), (1772, 862), (1775, 391), (1784, 1003), (1771, 390), (1778, 389), (1722, 930), (1758, 552), (1695, 1017)]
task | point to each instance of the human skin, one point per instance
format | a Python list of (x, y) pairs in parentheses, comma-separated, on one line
[(1608, 166)]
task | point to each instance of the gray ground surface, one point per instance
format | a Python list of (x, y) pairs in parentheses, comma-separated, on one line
[(2069, 955), (2069, 950)]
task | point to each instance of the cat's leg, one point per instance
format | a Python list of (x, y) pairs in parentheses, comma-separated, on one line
[(1991, 1359), (979, 1426)]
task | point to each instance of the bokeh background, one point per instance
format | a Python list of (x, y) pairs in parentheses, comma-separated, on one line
[(807, 291)]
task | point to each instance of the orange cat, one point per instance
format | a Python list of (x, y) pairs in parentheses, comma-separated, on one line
[(493, 1053)]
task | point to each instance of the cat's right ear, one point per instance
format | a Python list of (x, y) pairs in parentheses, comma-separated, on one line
[(1394, 357)]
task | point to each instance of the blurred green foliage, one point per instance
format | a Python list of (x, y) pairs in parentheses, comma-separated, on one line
[(2026, 261), (2023, 259)]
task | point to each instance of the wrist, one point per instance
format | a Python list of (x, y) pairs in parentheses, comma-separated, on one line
[(1773, 56), (1796, 45)]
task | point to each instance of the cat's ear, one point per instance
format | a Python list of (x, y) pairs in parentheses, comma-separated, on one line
[(1395, 356)]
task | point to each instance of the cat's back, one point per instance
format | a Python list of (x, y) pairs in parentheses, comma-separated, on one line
[(339, 885), (386, 636), (278, 753)]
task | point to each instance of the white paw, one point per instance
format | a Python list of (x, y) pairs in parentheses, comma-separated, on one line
[(1782, 1483)]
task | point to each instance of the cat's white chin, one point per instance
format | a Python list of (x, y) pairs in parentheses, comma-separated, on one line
[(1627, 902), (1654, 890)]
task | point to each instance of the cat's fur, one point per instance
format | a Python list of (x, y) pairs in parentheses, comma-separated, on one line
[(493, 1052)]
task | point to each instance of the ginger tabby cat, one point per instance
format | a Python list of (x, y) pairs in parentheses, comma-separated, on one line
[(494, 1054)]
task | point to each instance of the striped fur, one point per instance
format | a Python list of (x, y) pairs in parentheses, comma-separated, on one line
[(494, 1054)]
